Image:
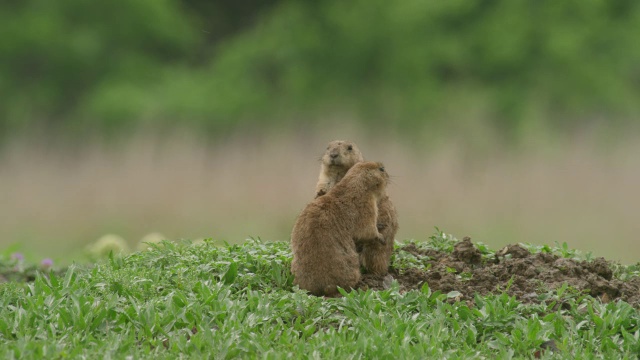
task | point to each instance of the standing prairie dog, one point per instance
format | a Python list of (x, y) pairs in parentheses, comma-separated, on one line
[(322, 240), (339, 157)]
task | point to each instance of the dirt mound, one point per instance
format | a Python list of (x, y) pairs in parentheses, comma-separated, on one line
[(514, 270)]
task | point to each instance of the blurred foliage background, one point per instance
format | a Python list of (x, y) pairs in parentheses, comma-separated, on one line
[(74, 66), (489, 74)]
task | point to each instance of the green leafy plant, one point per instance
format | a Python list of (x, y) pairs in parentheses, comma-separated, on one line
[(237, 301)]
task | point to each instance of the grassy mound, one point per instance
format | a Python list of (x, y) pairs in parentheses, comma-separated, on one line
[(205, 301)]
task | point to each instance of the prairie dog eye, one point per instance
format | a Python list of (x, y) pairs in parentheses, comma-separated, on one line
[(381, 168), (349, 147)]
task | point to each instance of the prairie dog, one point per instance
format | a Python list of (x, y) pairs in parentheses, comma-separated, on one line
[(324, 235), (376, 257), (339, 157)]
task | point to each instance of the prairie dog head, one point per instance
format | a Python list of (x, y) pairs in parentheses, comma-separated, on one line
[(341, 153), (373, 175)]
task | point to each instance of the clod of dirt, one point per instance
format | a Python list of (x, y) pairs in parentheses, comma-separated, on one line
[(465, 251), (516, 251), (599, 266), (523, 275)]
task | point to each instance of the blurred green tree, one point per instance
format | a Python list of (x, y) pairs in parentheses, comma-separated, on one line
[(58, 55), (74, 65)]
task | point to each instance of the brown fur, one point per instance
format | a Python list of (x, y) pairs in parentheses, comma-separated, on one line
[(374, 257), (339, 157), (324, 235)]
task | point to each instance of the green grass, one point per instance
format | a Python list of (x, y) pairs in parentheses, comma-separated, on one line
[(238, 301)]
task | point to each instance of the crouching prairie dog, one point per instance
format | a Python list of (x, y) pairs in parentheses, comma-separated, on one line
[(322, 240), (339, 157)]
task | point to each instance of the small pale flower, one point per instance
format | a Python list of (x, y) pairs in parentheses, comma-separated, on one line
[(46, 263), (109, 243), (17, 256)]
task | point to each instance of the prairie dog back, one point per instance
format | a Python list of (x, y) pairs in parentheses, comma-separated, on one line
[(322, 240), (339, 157)]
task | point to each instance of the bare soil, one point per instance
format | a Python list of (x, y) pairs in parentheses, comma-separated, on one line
[(514, 270)]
